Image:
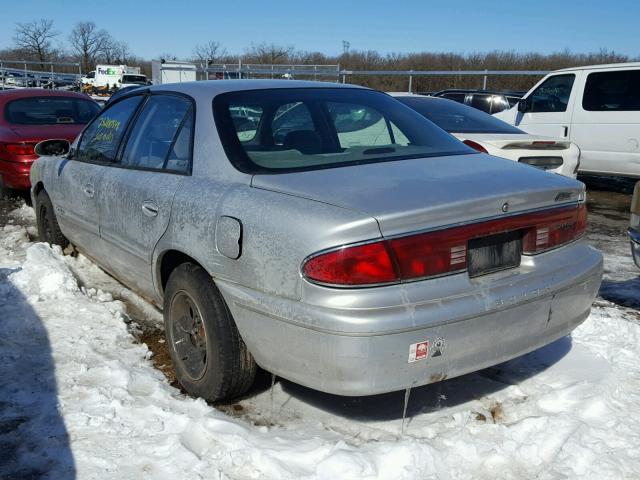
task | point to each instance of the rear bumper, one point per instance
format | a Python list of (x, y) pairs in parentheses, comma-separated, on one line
[(15, 175), (634, 237), (361, 346)]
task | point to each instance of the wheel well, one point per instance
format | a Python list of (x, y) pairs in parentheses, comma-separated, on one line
[(170, 260), (38, 188)]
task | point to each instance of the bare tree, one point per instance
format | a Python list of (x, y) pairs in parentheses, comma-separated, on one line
[(87, 41), (167, 56), (268, 53), (114, 51), (34, 38), (208, 52)]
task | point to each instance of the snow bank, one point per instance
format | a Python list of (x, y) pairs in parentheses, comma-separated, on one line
[(79, 396)]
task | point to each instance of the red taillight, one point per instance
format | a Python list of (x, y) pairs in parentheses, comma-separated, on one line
[(475, 146), (360, 265), (19, 148), (440, 252)]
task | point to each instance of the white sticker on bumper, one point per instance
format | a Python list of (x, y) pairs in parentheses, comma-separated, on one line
[(418, 351)]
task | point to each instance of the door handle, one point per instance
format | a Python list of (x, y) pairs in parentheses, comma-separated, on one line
[(566, 130), (88, 190), (150, 209)]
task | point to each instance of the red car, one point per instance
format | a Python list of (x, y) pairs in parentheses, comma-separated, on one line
[(28, 116)]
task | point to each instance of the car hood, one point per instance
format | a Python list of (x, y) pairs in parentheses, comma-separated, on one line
[(501, 140), (411, 195), (37, 133)]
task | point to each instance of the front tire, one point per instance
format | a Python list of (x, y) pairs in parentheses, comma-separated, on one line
[(210, 358), (48, 228)]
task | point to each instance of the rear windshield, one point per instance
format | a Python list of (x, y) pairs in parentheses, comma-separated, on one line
[(50, 111), (457, 118), (295, 129)]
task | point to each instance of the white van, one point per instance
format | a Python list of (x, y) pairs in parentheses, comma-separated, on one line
[(596, 107)]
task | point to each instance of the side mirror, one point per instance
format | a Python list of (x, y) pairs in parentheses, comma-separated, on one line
[(524, 105), (52, 148)]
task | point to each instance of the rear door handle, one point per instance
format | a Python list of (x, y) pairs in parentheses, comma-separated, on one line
[(150, 209), (88, 190), (566, 131)]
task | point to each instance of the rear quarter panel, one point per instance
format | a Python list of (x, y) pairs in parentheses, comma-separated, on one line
[(278, 232)]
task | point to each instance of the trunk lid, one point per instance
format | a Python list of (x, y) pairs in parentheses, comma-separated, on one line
[(411, 195), (516, 141)]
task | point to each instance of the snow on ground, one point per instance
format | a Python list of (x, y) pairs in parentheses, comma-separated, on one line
[(80, 398)]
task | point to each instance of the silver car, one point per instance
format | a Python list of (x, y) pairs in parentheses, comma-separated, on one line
[(327, 233)]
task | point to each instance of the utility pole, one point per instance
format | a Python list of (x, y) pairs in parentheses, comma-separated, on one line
[(345, 47)]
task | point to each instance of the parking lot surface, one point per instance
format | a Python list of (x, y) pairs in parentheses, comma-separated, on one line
[(82, 395)]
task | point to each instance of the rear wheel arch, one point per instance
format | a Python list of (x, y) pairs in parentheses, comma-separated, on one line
[(37, 188), (168, 262)]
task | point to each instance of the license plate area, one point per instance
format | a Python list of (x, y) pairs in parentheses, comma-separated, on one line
[(494, 253)]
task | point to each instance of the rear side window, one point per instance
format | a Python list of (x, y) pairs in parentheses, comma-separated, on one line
[(482, 102), (612, 91), (101, 139), (456, 97), (50, 111), (155, 142), (553, 95)]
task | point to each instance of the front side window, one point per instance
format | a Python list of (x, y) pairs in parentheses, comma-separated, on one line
[(101, 139), (50, 111), (553, 95), (296, 129), (456, 118), (612, 91), (155, 133)]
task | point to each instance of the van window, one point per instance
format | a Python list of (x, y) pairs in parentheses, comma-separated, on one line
[(553, 94), (612, 91)]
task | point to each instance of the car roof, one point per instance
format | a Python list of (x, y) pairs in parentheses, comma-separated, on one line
[(602, 66), (16, 93), (215, 87)]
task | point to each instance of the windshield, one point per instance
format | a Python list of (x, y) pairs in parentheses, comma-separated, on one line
[(134, 79), (50, 111), (457, 118), (296, 129)]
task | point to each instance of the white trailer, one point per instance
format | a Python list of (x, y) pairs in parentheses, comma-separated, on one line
[(172, 71)]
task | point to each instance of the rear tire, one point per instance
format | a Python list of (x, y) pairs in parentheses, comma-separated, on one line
[(210, 358), (48, 228)]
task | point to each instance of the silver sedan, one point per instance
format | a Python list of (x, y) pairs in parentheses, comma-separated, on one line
[(327, 233)]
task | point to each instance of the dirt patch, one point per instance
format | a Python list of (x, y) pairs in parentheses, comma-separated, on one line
[(497, 414), (155, 341)]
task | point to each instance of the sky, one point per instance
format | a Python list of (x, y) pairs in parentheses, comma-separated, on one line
[(174, 27)]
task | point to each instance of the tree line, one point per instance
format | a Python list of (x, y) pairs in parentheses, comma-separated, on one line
[(89, 45)]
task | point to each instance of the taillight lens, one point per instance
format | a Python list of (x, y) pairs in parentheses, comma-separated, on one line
[(475, 146), (360, 265), (19, 148), (440, 252)]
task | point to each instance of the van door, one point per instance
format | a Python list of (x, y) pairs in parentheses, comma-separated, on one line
[(606, 122), (137, 193), (549, 107)]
